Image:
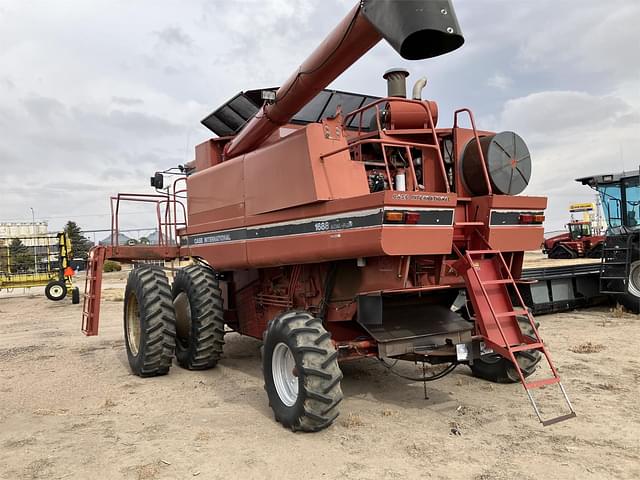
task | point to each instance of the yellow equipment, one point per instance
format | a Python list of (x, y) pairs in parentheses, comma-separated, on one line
[(42, 260)]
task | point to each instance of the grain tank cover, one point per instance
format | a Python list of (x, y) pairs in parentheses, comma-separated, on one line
[(508, 164), (416, 29)]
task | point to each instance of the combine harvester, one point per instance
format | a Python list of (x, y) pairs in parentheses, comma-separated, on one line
[(338, 226)]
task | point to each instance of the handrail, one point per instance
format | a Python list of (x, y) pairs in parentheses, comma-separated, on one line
[(160, 201), (485, 173)]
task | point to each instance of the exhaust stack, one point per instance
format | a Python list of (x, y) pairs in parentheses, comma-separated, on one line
[(416, 29), (396, 82)]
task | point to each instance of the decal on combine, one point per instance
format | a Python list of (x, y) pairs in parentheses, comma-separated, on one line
[(342, 222)]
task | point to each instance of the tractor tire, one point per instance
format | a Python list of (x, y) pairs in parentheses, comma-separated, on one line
[(149, 322), (560, 251), (301, 372), (75, 295), (56, 290), (595, 252), (631, 301), (197, 301)]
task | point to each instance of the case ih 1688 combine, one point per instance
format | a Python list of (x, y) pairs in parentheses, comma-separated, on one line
[(336, 226)]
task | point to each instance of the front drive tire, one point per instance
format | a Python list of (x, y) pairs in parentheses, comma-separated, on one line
[(197, 301), (301, 372), (149, 322)]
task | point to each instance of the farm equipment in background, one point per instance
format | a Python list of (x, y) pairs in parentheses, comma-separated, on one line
[(43, 261), (620, 264), (583, 238), (337, 226)]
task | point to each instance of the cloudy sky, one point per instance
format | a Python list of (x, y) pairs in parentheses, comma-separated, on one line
[(97, 95)]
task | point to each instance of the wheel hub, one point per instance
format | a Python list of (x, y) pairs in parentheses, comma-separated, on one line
[(56, 291), (133, 325), (285, 374), (182, 308)]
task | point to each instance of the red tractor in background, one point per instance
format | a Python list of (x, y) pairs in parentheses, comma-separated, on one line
[(583, 239), (335, 226)]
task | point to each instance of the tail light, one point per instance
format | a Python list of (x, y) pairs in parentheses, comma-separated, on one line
[(531, 218), (396, 216)]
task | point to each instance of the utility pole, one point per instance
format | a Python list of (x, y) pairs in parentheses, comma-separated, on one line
[(35, 248)]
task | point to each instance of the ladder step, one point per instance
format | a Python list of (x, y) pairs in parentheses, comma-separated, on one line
[(527, 346), (498, 282), (561, 418), (512, 313), (541, 383), (468, 224), (602, 277), (481, 252)]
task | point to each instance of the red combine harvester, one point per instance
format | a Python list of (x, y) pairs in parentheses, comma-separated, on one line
[(334, 236)]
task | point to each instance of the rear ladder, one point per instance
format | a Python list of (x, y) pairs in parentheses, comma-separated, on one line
[(93, 291), (487, 277)]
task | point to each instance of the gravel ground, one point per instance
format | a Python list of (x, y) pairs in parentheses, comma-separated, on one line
[(69, 408)]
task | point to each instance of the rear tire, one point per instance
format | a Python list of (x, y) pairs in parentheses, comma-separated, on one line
[(631, 300), (496, 368), (56, 290), (149, 322), (301, 372), (197, 301)]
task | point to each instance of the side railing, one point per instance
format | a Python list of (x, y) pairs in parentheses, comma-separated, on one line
[(476, 137)]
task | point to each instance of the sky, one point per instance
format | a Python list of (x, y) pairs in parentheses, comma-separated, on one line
[(97, 95)]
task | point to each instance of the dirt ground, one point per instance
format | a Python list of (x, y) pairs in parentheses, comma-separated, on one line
[(69, 408)]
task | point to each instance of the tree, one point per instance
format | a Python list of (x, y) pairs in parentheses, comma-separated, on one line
[(19, 257), (79, 243)]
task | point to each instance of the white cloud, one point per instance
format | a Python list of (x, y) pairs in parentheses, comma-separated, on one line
[(499, 81)]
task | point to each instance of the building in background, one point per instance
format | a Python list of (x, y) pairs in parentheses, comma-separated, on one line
[(27, 232)]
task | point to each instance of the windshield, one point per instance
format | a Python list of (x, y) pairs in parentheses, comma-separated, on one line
[(621, 203), (579, 230)]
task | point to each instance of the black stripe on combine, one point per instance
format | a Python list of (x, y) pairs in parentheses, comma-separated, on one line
[(509, 218), (436, 217), (316, 226), (374, 219)]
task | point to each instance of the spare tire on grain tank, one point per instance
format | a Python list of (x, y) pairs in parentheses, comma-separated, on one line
[(507, 160)]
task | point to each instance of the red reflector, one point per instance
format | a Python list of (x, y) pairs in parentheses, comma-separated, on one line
[(529, 218), (412, 218)]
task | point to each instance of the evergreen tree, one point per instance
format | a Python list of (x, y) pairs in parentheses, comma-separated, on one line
[(19, 258), (79, 243)]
